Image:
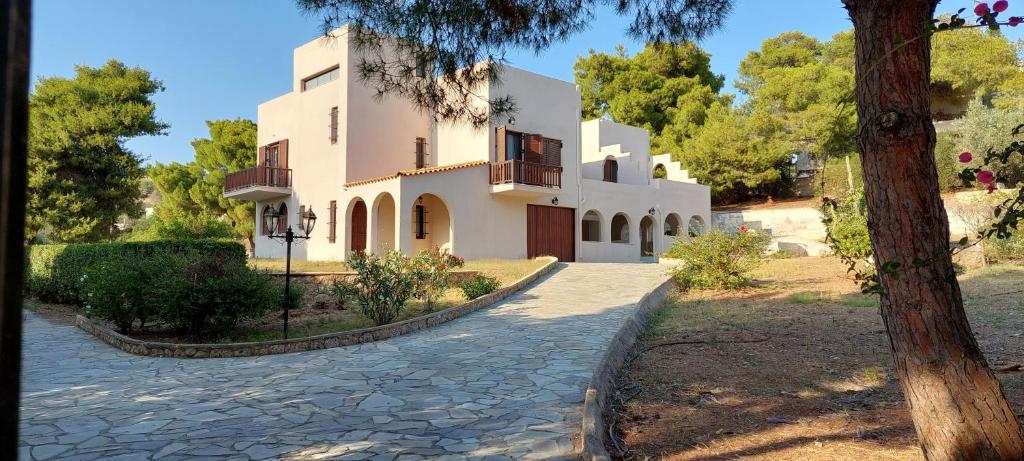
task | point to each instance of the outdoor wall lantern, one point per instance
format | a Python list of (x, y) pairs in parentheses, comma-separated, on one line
[(651, 211), (307, 220), (554, 201)]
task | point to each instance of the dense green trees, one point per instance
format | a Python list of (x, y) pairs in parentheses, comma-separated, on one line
[(81, 176), (193, 193), (798, 97)]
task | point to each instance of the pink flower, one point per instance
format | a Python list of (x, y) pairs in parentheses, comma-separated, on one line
[(1015, 20), (966, 157), (743, 228), (1000, 6), (986, 177), (981, 9)]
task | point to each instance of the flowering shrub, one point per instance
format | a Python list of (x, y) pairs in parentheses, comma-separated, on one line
[(479, 285), (718, 260), (383, 284), (434, 271)]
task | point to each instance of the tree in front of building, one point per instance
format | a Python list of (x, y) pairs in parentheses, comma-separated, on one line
[(81, 177)]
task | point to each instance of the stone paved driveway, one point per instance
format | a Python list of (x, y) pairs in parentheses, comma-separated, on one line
[(502, 383)]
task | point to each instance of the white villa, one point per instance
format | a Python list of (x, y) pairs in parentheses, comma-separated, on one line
[(381, 175)]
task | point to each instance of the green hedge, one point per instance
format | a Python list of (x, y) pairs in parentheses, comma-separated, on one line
[(54, 272)]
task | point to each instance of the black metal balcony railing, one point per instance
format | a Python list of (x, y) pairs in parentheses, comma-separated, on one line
[(520, 172), (258, 176)]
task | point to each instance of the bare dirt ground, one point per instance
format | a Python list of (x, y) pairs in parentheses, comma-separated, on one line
[(795, 368)]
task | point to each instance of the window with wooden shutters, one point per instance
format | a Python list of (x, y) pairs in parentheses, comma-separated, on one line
[(552, 153), (333, 225), (282, 220), (534, 147), (421, 153), (509, 145), (421, 222), (264, 230), (611, 170), (334, 125)]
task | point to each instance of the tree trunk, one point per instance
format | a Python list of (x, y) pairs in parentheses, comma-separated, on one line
[(955, 400)]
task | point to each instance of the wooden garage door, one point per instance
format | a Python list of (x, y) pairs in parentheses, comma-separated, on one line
[(551, 231)]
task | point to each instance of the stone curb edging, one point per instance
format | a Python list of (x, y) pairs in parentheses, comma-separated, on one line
[(602, 383), (325, 341)]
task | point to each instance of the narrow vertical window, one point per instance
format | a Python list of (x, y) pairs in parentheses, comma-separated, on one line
[(333, 227), (421, 153), (334, 125), (421, 222)]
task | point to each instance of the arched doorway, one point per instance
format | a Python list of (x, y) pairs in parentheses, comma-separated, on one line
[(647, 236), (620, 228), (611, 169), (382, 230), (672, 225), (431, 224), (357, 225), (695, 228), (591, 226), (282, 220)]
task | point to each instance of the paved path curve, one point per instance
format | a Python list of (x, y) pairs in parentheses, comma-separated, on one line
[(502, 383)]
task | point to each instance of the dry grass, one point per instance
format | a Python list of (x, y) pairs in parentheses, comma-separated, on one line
[(795, 368), (277, 265)]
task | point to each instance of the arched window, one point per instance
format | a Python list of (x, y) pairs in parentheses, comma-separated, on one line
[(611, 170), (591, 231), (264, 230), (695, 227), (282, 220), (659, 172), (672, 224), (620, 228)]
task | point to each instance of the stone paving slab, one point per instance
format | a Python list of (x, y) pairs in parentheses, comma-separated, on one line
[(502, 383)]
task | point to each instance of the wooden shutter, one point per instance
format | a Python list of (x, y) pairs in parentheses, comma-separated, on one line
[(611, 170), (534, 144), (282, 221), (261, 156), (552, 153), (500, 137), (282, 154), (421, 153), (333, 215)]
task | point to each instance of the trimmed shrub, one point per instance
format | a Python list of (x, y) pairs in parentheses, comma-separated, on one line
[(119, 288), (54, 272), (479, 285), (207, 299), (383, 284), (717, 260), (846, 220)]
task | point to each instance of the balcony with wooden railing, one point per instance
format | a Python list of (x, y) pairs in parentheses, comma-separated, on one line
[(508, 175), (258, 183)]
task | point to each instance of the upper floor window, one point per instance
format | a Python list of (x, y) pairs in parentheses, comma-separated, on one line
[(322, 78), (611, 170), (421, 153), (334, 125), (513, 145)]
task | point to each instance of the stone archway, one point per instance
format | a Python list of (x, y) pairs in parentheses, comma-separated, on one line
[(673, 225), (620, 228)]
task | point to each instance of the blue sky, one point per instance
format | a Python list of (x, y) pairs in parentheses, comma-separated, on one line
[(220, 58)]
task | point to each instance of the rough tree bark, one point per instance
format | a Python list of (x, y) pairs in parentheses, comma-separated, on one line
[(955, 400)]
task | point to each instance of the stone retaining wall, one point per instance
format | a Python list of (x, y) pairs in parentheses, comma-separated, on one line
[(344, 338), (602, 383)]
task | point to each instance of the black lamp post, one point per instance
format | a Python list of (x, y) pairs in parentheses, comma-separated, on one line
[(307, 219)]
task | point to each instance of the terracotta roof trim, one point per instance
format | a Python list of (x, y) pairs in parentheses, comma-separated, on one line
[(435, 169)]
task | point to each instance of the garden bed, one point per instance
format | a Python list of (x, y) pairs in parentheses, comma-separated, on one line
[(309, 330), (796, 367)]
